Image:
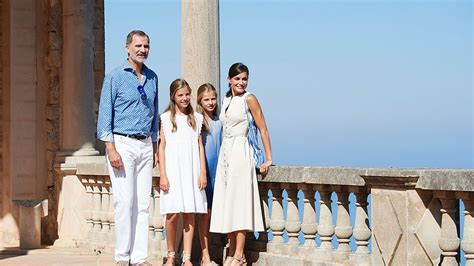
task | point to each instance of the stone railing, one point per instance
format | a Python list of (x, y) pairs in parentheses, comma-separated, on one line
[(319, 215)]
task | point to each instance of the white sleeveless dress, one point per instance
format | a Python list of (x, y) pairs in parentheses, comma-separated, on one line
[(236, 203), (182, 166)]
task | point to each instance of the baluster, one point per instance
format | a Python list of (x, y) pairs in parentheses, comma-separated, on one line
[(111, 219), (468, 242), (88, 207), (292, 224), (157, 222), (260, 244), (449, 240), (362, 232), (104, 213), (96, 201), (309, 226), (277, 222), (326, 227), (263, 191), (151, 229), (98, 218), (343, 226)]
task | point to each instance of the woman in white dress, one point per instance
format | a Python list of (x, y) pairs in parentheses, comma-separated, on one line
[(236, 203), (182, 168)]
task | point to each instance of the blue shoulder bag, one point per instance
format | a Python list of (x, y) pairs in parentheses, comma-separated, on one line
[(252, 138)]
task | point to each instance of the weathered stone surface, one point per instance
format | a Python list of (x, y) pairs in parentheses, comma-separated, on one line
[(31, 212), (53, 64), (1, 115), (387, 227), (200, 43), (54, 40), (54, 58), (428, 231), (447, 179), (315, 175), (52, 112), (98, 167), (429, 179)]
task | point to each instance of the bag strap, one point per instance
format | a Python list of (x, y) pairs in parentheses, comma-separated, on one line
[(247, 109)]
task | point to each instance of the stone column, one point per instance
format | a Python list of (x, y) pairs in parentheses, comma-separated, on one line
[(200, 43), (31, 212), (77, 120), (77, 115), (24, 167)]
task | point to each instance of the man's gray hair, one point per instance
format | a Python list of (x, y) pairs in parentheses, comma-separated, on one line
[(133, 33)]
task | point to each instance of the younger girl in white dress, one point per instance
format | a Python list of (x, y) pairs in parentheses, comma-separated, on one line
[(182, 168)]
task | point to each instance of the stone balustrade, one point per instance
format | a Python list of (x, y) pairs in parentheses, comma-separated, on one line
[(336, 215)]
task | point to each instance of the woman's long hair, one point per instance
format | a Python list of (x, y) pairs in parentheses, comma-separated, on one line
[(207, 87), (234, 70), (189, 112)]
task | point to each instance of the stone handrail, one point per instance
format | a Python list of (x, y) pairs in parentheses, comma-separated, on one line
[(413, 216)]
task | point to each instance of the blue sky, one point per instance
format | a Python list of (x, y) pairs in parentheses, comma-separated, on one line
[(342, 83)]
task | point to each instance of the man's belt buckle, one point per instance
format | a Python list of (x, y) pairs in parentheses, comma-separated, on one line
[(137, 136), (133, 136)]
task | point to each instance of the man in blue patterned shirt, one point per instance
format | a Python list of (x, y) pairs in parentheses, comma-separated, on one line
[(128, 124)]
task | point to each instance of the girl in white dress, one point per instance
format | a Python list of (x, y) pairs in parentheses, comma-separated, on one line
[(236, 207), (182, 168)]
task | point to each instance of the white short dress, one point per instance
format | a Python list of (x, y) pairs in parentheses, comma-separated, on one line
[(236, 205), (182, 166)]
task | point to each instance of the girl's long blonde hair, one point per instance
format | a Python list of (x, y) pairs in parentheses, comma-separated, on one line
[(189, 112), (207, 87)]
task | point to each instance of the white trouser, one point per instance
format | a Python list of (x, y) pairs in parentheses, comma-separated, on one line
[(131, 193)]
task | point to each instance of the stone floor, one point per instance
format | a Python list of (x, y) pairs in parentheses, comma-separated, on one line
[(48, 256)]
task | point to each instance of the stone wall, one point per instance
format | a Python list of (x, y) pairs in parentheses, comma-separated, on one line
[(99, 58), (1, 93), (53, 12)]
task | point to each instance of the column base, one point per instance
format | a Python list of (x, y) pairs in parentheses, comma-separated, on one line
[(31, 212)]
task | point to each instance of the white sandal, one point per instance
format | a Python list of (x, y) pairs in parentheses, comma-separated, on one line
[(228, 261), (186, 257), (170, 256)]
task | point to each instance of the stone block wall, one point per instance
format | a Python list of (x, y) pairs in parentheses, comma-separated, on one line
[(1, 93), (99, 59), (49, 37), (53, 13)]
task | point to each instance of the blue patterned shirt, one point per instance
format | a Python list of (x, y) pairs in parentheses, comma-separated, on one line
[(122, 108)]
